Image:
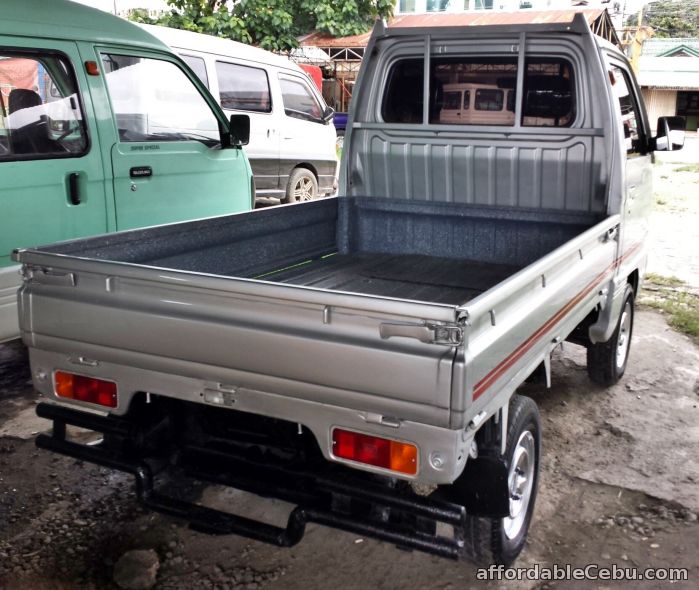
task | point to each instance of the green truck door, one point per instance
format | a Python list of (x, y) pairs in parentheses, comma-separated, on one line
[(168, 164), (52, 184)]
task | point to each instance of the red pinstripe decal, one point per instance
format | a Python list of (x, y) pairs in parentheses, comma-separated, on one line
[(519, 352)]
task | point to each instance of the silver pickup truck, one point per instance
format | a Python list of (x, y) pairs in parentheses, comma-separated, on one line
[(359, 356)]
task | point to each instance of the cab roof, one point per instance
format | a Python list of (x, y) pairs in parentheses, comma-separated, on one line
[(61, 19)]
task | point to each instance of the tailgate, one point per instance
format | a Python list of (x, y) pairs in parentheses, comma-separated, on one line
[(237, 333)]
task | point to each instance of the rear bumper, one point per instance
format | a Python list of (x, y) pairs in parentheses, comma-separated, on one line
[(329, 496), (442, 452)]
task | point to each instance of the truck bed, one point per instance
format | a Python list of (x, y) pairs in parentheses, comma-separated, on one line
[(406, 276), (343, 302), (440, 253)]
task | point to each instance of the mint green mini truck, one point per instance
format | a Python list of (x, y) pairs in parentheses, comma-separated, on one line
[(103, 128)]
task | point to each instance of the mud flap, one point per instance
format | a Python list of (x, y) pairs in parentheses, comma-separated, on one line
[(482, 488)]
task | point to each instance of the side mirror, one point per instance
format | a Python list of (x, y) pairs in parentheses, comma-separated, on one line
[(328, 114), (670, 134), (240, 130)]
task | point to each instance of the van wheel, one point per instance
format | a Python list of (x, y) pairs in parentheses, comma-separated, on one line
[(302, 186), (606, 361), (501, 540)]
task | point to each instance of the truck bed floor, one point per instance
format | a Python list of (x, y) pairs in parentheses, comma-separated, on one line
[(404, 276)]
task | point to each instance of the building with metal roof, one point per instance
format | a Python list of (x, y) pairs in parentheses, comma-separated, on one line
[(668, 73), (671, 47)]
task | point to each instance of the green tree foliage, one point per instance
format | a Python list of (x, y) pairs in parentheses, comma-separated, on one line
[(271, 24), (671, 19)]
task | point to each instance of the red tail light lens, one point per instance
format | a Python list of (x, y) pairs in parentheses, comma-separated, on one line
[(374, 450), (85, 389)]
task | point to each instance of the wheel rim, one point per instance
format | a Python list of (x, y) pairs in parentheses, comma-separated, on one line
[(520, 482), (624, 338), (304, 189)]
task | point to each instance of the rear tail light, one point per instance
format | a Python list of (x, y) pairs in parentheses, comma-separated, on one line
[(374, 450), (85, 389)]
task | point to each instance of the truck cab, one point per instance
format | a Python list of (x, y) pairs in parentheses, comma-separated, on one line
[(102, 128)]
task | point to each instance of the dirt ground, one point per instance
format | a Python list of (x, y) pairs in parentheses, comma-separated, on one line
[(619, 483)]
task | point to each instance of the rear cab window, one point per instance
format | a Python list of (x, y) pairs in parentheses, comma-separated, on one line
[(154, 100), (41, 115), (481, 91)]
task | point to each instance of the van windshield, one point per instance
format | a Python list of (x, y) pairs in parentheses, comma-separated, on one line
[(153, 100)]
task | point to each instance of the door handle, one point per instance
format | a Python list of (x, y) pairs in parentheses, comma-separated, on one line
[(74, 188)]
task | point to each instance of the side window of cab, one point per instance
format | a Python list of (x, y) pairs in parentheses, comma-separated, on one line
[(41, 115), (632, 122), (154, 100)]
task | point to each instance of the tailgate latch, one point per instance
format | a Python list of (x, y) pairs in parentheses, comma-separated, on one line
[(429, 333), (47, 276)]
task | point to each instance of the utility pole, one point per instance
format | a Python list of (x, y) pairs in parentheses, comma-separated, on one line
[(639, 37), (632, 39)]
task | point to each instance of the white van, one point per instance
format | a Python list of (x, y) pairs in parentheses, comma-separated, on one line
[(292, 138), (477, 104)]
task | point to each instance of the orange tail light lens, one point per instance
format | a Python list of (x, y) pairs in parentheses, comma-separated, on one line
[(85, 389), (374, 450)]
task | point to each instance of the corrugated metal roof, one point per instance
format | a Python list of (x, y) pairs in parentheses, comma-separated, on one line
[(458, 19), (658, 46), (669, 72)]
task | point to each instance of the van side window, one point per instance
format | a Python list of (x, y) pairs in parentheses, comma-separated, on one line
[(243, 88), (153, 100), (630, 118), (198, 67), (548, 91), (40, 111), (488, 100), (299, 101)]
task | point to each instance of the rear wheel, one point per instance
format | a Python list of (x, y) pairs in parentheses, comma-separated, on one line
[(606, 361), (501, 540), (302, 186)]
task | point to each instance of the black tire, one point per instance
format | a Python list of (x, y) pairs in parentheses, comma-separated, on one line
[(302, 186), (501, 540), (605, 363)]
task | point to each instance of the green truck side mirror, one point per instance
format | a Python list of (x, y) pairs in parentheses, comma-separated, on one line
[(240, 130)]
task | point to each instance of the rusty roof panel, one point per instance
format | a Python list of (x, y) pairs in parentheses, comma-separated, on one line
[(455, 19), (481, 18)]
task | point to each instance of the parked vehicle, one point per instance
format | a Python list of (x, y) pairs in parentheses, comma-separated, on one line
[(359, 356), (102, 128), (292, 143), (477, 104), (340, 122)]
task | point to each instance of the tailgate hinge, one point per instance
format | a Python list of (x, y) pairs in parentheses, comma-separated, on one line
[(429, 333)]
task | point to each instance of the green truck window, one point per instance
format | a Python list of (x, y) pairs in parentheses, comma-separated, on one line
[(198, 67), (40, 112), (153, 100)]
